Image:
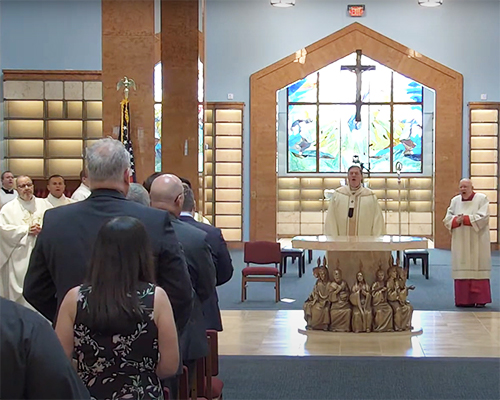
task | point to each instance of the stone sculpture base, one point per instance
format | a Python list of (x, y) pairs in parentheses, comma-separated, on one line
[(350, 262), (311, 332)]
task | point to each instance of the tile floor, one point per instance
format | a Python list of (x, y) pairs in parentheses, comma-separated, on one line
[(278, 332)]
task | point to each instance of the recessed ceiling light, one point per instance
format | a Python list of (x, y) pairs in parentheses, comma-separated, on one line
[(430, 3), (283, 3)]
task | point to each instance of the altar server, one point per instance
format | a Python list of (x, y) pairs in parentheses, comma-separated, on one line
[(7, 192), (56, 187), (20, 224), (83, 191), (467, 219)]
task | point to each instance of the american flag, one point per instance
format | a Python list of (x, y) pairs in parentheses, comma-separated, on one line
[(125, 135)]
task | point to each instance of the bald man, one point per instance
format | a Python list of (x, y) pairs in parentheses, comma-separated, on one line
[(467, 219), (167, 193)]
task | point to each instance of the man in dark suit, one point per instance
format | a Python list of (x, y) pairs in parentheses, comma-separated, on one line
[(34, 365), (167, 194), (220, 254), (64, 246)]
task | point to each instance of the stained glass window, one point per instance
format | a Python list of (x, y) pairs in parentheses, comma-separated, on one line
[(323, 134), (157, 94)]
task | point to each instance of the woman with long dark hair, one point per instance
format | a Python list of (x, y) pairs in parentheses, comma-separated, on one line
[(119, 325)]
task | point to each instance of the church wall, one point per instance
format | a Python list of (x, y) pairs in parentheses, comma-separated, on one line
[(48, 35), (244, 37), (51, 34)]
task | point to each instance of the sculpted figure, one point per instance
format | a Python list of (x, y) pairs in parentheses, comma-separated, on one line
[(340, 309), (397, 294), (382, 311), (316, 307), (362, 308)]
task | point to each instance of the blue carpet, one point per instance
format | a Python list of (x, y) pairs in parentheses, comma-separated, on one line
[(435, 294), (275, 377)]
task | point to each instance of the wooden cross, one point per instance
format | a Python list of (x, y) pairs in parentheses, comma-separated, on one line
[(358, 69)]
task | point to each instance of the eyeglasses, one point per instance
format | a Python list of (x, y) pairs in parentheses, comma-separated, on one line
[(26, 185)]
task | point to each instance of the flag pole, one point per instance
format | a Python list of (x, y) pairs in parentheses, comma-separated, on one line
[(125, 134)]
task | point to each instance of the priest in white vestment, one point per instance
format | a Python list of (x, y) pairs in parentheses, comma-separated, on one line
[(56, 187), (20, 224), (467, 219), (7, 191), (83, 191), (354, 211)]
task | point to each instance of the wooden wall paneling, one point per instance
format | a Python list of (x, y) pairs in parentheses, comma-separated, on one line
[(128, 49), (447, 83)]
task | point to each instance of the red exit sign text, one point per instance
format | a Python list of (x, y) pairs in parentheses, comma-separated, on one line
[(356, 10)]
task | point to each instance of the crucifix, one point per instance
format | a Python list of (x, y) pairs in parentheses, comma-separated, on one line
[(358, 69)]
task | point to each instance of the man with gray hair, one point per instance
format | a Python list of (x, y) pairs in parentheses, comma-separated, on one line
[(139, 194), (62, 252)]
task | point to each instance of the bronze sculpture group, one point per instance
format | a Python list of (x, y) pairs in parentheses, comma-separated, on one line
[(381, 307)]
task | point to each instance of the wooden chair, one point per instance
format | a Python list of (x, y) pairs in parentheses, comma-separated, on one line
[(261, 253), (207, 385)]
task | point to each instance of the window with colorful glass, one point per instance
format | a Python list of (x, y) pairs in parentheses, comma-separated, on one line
[(323, 134)]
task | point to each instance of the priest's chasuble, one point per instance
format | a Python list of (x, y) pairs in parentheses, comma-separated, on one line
[(16, 244), (470, 244), (56, 202), (365, 219)]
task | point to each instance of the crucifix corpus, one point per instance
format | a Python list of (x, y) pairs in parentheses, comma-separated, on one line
[(358, 69)]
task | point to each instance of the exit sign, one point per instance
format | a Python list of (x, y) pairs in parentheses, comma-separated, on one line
[(356, 10)]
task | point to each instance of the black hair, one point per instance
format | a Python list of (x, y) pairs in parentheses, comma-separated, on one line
[(121, 260), (149, 180), (55, 176), (186, 181)]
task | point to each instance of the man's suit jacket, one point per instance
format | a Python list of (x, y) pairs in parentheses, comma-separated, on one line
[(223, 266), (62, 252), (193, 340)]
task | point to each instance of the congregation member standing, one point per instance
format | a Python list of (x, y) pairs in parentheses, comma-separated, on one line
[(467, 219), (139, 194), (83, 191), (7, 192), (167, 193), (119, 325), (62, 252), (20, 225), (56, 187), (33, 362), (220, 254)]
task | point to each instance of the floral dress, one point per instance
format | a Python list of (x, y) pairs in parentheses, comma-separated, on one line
[(122, 365)]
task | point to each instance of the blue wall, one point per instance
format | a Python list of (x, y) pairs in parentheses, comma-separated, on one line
[(50, 34), (246, 36)]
